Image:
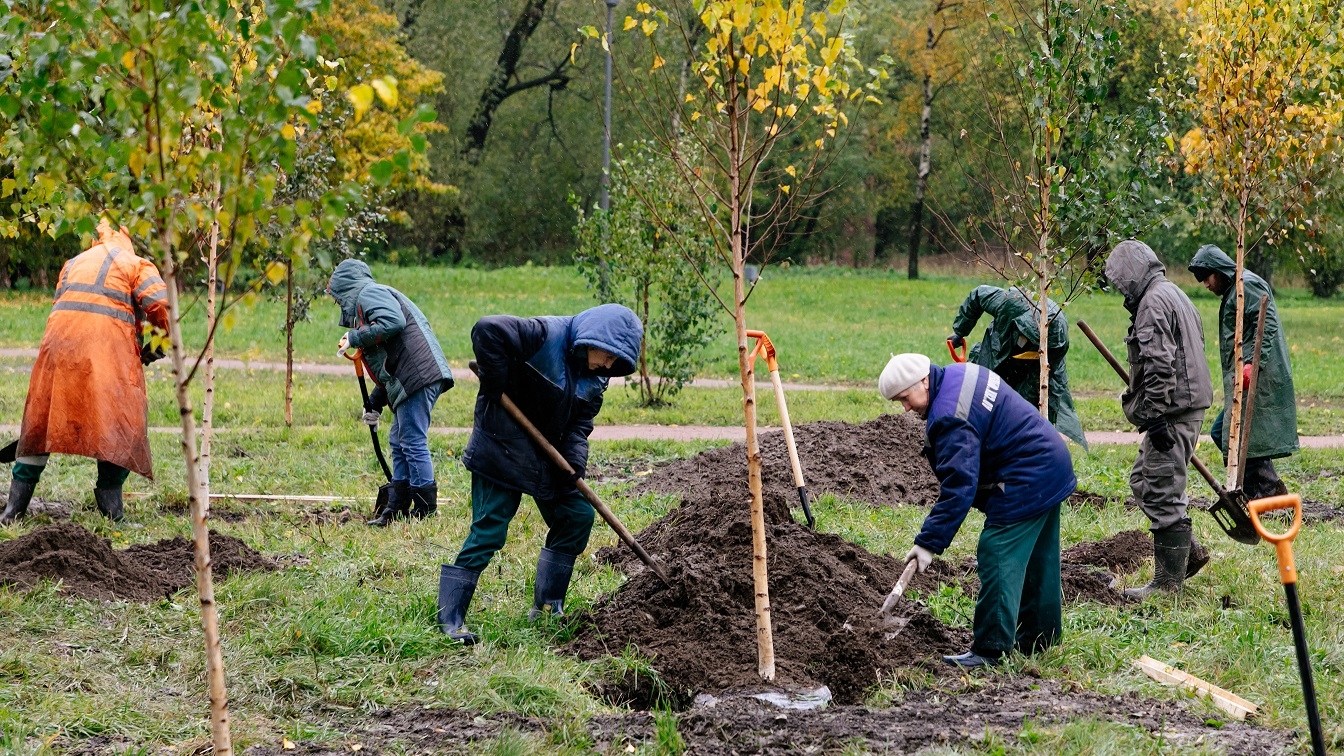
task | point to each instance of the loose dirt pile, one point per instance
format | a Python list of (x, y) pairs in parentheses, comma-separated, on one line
[(878, 462), (701, 634), (88, 567)]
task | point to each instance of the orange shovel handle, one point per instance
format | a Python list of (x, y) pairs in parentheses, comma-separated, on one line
[(1283, 542), (766, 347), (953, 351)]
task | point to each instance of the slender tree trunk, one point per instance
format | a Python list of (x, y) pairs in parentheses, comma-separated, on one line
[(208, 397), (925, 166), (1043, 276), (739, 196), (214, 657), (646, 381), (1234, 403), (289, 345)]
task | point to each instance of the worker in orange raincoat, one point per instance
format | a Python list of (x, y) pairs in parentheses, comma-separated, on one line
[(87, 395)]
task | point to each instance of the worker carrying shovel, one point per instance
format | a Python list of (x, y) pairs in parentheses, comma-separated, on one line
[(991, 450), (1010, 348), (1169, 390), (1273, 429), (405, 360), (86, 394), (556, 370)]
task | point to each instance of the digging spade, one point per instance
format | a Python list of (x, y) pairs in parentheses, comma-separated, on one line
[(384, 491), (1230, 512), (896, 593), (559, 461), (764, 345)]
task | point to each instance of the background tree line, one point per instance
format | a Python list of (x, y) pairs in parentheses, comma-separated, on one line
[(519, 130)]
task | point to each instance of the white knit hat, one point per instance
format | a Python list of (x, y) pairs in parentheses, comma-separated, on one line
[(902, 372)]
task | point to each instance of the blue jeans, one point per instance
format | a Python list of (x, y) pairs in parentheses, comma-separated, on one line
[(409, 437)]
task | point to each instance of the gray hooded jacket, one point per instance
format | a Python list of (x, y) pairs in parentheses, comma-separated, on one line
[(1169, 375)]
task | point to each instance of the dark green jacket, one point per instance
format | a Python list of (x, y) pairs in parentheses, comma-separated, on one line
[(1014, 331), (398, 345), (1274, 418)]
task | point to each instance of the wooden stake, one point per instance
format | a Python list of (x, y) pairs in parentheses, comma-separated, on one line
[(289, 345), (1233, 416), (208, 396), (200, 509), (1236, 706)]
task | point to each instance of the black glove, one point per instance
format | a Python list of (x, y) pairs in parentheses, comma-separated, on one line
[(957, 341), (1159, 435), (377, 399), (148, 355)]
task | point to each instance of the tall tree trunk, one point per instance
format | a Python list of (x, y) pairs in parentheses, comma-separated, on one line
[(1044, 276), (1234, 404), (289, 345), (205, 587), (925, 165), (208, 397), (739, 196)]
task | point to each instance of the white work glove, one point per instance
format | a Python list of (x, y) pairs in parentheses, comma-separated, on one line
[(371, 418), (923, 555), (343, 344)]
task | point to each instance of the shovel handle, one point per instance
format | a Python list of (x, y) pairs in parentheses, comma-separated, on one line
[(898, 590), (956, 357), (1283, 542)]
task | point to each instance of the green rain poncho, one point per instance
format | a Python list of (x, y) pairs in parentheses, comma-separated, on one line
[(1274, 418), (1014, 331)]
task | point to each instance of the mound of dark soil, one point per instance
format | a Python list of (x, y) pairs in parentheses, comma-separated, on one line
[(878, 462), (1120, 554), (701, 634), (88, 567)]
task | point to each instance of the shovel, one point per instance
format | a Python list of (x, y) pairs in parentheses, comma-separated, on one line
[(1230, 511), (1283, 548), (958, 357), (559, 461), (897, 592), (384, 491), (763, 344)]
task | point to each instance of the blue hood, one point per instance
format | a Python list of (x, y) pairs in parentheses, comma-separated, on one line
[(347, 281), (611, 327)]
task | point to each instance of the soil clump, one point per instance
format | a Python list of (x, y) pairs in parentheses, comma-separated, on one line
[(88, 567), (879, 462), (701, 633)]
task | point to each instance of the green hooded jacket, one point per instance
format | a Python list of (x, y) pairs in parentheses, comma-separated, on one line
[(1274, 416), (394, 335), (1014, 331)]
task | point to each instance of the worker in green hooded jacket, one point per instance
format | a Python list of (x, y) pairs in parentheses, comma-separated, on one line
[(1010, 348), (1273, 426)]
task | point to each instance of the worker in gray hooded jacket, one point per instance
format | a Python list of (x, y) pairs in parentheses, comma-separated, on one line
[(400, 351), (1169, 390)]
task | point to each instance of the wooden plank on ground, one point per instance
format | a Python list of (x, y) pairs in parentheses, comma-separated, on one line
[(1236, 706)]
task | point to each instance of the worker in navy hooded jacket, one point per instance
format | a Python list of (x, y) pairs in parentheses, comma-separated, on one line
[(991, 450), (408, 365), (556, 370)]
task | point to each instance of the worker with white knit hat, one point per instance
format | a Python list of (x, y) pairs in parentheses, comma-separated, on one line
[(993, 451)]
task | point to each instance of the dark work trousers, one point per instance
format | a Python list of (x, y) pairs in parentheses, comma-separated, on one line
[(569, 517), (1019, 602), (1259, 478)]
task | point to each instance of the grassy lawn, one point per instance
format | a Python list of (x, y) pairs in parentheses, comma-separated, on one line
[(345, 626)]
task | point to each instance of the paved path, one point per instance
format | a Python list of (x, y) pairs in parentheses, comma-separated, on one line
[(729, 433)]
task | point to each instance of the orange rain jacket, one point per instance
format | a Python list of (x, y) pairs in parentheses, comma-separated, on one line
[(87, 394)]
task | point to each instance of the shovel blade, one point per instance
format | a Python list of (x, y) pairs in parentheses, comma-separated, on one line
[(380, 503), (1234, 518)]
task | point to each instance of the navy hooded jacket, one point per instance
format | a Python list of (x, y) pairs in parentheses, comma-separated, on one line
[(991, 450), (542, 364)]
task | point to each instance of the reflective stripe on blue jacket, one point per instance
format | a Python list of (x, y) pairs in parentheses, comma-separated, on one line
[(990, 450)]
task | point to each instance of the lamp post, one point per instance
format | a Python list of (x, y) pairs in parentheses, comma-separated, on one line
[(604, 201)]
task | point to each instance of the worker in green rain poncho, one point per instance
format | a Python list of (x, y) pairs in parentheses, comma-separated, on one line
[(1273, 426), (1010, 346)]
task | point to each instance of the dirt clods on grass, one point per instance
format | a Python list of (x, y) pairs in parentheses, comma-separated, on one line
[(878, 462), (88, 567), (1120, 554), (701, 633)]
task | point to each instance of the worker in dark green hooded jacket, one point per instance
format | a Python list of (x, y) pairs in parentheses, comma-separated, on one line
[(1273, 426), (1010, 348)]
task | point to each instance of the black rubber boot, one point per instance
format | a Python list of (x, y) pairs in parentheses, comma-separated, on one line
[(1199, 556), (109, 502), (456, 587), (1171, 554), (1261, 480), (553, 573), (398, 504), (20, 494), (424, 501)]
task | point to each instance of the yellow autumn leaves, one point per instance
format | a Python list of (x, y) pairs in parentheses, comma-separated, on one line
[(361, 95)]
